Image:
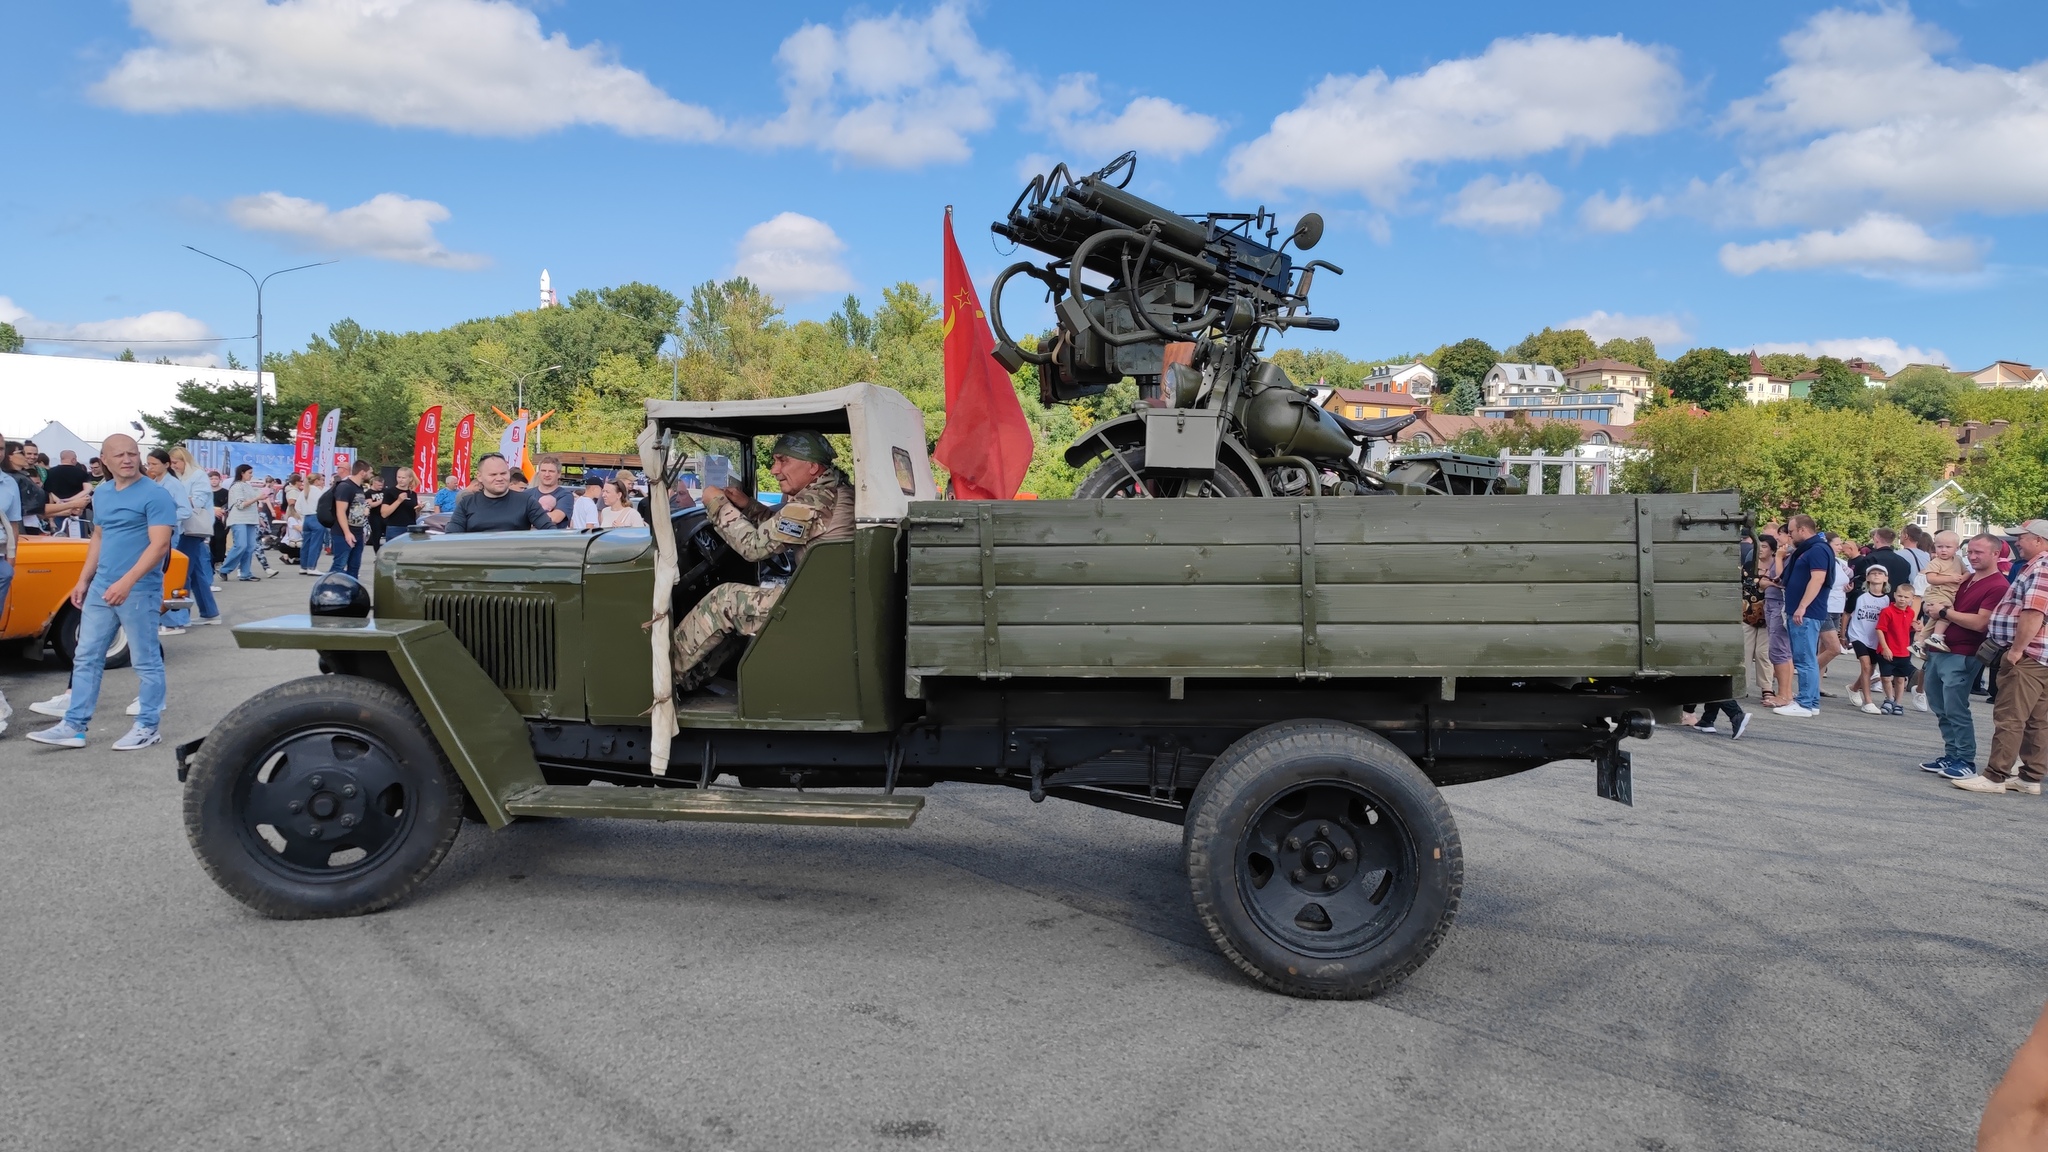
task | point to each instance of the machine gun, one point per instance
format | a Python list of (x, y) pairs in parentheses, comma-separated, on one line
[(1182, 304)]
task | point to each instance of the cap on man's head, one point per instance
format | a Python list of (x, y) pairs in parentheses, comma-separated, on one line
[(804, 446), (2035, 528)]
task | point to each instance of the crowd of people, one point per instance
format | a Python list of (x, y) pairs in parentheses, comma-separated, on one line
[(1970, 613), (136, 507)]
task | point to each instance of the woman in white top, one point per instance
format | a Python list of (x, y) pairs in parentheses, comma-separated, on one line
[(1831, 642), (618, 506)]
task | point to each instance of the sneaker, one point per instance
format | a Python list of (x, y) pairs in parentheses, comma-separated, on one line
[(1740, 726), (1793, 709), (135, 707), (1936, 643), (1856, 698), (137, 737), (1974, 783), (245, 579), (203, 621), (269, 572), (1706, 729), (218, 588), (1935, 765), (1958, 770), (307, 572), (1920, 702), (169, 630), (56, 705), (2022, 787), (1873, 709), (60, 735)]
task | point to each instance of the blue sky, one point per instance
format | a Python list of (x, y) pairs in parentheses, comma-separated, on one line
[(1847, 179)]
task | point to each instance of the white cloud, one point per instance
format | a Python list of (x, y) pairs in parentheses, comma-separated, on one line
[(1369, 134), (1072, 114), (1864, 115), (1663, 330), (890, 91), (1883, 351), (1515, 206), (793, 255), (150, 335), (1879, 245), (476, 66), (387, 226), (1602, 213)]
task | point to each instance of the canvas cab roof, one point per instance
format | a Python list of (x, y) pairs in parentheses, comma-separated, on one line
[(890, 465)]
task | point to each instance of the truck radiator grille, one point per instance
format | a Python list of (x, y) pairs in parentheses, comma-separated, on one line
[(511, 634)]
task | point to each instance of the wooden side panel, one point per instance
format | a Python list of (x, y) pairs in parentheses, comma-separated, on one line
[(1397, 586)]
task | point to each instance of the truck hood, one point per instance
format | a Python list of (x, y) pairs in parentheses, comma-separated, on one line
[(498, 557)]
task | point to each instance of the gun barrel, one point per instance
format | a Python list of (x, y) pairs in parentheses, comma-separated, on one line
[(1136, 212)]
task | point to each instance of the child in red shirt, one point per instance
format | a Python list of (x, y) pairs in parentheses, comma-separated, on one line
[(1895, 647)]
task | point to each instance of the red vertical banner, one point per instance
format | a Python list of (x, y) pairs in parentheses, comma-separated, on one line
[(465, 432), (306, 440), (426, 448), (987, 443)]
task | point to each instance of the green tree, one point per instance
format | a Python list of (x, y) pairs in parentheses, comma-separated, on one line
[(1641, 352), (1838, 387), (1559, 348), (1928, 392), (10, 340), (1786, 365), (2007, 480), (1706, 377), (227, 412), (1468, 359), (1464, 399), (127, 356)]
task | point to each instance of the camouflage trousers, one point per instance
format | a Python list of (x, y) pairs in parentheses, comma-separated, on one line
[(724, 611)]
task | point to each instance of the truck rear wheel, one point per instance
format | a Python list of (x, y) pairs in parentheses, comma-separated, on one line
[(1322, 861), (325, 796)]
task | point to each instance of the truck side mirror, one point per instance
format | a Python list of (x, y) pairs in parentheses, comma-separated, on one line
[(1308, 232)]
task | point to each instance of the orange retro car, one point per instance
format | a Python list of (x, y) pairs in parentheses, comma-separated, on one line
[(39, 609)]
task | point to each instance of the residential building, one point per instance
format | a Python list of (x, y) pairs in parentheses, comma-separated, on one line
[(1504, 380), (1433, 430), (1608, 376), (1414, 379), (1367, 404), (1761, 387), (2010, 374), (1947, 509), (1617, 407)]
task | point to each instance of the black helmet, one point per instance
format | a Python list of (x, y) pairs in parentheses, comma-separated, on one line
[(339, 594)]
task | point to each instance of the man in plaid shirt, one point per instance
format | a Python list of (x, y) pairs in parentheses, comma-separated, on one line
[(2019, 716)]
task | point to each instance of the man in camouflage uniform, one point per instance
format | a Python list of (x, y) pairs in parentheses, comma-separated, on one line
[(817, 506)]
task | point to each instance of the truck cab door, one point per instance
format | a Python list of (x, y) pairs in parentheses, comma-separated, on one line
[(831, 653)]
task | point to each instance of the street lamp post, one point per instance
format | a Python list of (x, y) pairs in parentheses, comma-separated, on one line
[(258, 438)]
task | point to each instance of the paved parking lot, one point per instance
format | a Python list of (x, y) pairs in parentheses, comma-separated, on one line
[(1793, 941)]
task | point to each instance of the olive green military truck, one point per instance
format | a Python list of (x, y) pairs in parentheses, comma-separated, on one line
[(1292, 681)]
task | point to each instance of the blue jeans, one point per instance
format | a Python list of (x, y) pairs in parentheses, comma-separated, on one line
[(1806, 659), (198, 552), (242, 545), (6, 578), (346, 558), (312, 542), (138, 615), (1948, 681)]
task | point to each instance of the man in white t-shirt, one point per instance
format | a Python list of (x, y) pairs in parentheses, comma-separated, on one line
[(588, 502)]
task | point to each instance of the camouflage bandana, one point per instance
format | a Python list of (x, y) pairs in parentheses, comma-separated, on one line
[(808, 446)]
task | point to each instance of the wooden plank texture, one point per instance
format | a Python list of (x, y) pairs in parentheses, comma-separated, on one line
[(1109, 564), (1277, 603)]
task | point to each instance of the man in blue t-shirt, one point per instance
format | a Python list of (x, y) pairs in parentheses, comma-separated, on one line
[(120, 587), (1807, 579)]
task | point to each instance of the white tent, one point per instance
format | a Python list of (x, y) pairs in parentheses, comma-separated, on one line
[(55, 439), (97, 398)]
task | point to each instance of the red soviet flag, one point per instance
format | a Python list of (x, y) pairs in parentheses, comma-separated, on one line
[(987, 442)]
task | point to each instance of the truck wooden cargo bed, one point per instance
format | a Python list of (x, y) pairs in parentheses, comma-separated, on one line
[(1324, 588)]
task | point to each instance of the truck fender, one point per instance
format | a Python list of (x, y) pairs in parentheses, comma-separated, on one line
[(1128, 431), (483, 736)]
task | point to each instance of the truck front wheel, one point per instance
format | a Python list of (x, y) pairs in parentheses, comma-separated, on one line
[(325, 796), (1322, 861)]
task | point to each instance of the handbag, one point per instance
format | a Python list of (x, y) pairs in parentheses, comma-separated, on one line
[(1753, 613), (1990, 652)]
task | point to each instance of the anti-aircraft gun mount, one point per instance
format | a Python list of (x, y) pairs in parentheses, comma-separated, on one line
[(1184, 311)]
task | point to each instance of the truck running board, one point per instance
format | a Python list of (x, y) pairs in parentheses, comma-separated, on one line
[(726, 805)]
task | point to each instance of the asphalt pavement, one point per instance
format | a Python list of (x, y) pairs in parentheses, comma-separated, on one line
[(1794, 941)]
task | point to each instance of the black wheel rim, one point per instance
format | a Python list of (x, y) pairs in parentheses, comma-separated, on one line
[(1165, 486), (1327, 869), (324, 804)]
